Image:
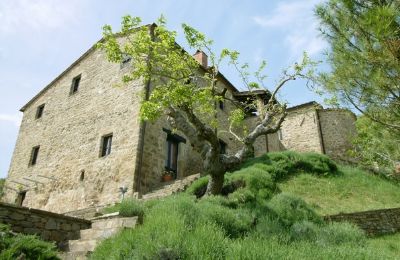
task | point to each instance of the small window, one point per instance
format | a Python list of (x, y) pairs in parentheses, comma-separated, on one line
[(172, 155), (39, 111), (280, 136), (171, 162), (222, 147), (126, 58), (75, 84), (34, 155), (20, 198), (82, 177), (221, 104), (106, 142)]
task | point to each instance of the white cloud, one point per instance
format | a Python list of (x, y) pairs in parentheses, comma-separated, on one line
[(296, 19), (15, 118), (21, 15)]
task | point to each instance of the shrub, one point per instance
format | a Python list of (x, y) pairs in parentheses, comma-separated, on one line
[(340, 233), (282, 165), (127, 208), (198, 187), (131, 207), (22, 246), (173, 229), (290, 209), (304, 230), (234, 222)]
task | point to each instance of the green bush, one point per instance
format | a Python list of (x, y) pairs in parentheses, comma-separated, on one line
[(250, 220), (22, 246), (127, 208), (340, 233), (282, 165), (175, 228), (198, 187), (290, 209), (234, 222)]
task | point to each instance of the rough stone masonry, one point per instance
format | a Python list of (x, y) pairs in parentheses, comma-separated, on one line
[(81, 141)]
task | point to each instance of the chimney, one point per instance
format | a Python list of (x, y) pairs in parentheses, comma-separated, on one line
[(201, 58)]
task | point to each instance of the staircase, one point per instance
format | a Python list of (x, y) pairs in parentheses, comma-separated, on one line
[(170, 188), (102, 228)]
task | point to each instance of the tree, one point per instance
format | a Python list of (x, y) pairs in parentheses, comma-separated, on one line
[(364, 36), (187, 93)]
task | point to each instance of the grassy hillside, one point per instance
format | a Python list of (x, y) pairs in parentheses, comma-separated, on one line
[(352, 190), (252, 219)]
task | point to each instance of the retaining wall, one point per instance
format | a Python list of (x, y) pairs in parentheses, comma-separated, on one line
[(47, 225), (374, 222)]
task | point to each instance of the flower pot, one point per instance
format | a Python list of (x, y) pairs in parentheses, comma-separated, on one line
[(167, 178)]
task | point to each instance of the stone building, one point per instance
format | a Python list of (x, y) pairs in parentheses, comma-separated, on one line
[(311, 128), (81, 141)]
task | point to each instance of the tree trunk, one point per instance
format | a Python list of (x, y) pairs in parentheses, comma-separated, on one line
[(215, 184)]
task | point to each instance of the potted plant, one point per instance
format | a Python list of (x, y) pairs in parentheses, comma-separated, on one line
[(167, 176)]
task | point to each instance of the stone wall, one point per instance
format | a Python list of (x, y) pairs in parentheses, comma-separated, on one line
[(374, 222), (300, 130), (48, 226), (189, 161), (338, 128), (69, 173)]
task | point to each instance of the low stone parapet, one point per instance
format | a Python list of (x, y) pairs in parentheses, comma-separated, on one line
[(373, 222), (47, 225)]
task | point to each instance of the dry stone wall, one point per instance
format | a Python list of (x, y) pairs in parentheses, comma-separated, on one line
[(374, 222), (49, 226), (69, 134)]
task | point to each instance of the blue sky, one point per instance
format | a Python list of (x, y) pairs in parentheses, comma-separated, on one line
[(40, 38)]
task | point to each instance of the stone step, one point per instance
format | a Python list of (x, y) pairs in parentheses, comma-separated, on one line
[(74, 255), (87, 234), (128, 222), (82, 245)]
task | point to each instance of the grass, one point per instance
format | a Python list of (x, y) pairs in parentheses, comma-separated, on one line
[(388, 244), (254, 219), (127, 208), (354, 190)]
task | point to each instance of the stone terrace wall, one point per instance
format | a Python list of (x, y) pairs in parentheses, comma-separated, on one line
[(374, 222), (49, 226)]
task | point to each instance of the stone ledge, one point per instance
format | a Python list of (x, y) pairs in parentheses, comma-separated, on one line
[(43, 213)]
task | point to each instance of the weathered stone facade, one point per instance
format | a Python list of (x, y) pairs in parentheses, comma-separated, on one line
[(70, 172), (311, 128)]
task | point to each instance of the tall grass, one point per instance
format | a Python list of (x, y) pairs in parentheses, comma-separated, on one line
[(251, 220), (355, 190)]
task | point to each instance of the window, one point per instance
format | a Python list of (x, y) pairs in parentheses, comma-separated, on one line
[(39, 111), (34, 155), (173, 140), (75, 84), (222, 147), (221, 104), (106, 142), (172, 155), (20, 198), (280, 136), (126, 58)]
